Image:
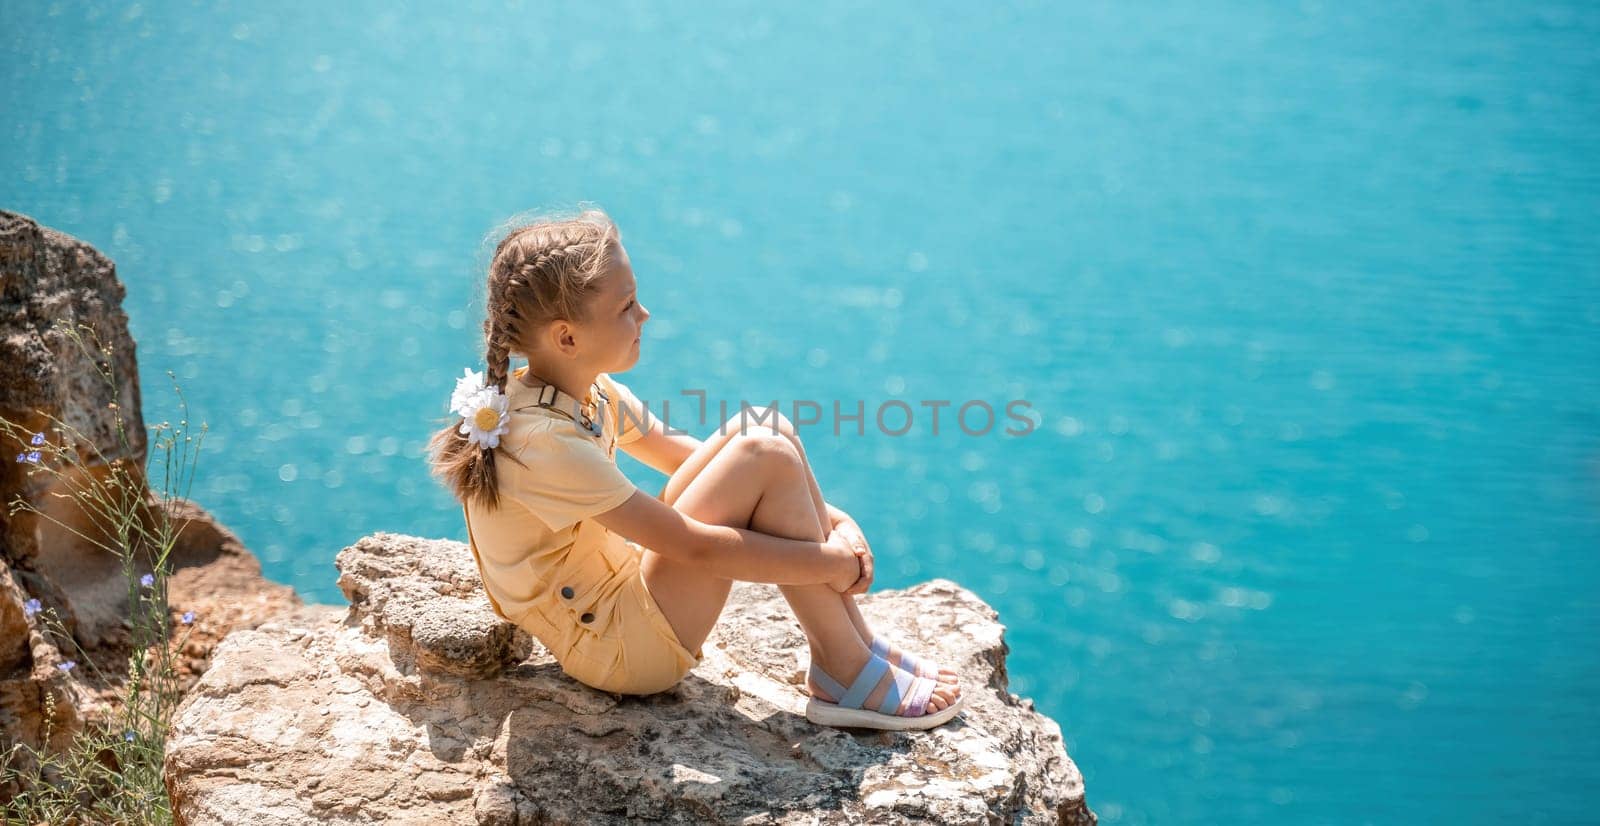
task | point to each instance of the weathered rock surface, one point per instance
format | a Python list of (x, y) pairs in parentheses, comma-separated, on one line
[(45, 277), (417, 705)]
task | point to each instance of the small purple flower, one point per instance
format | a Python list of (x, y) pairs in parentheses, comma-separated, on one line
[(128, 735), (30, 607), (188, 617), (38, 439), (33, 456), (147, 580), (67, 666), (22, 457)]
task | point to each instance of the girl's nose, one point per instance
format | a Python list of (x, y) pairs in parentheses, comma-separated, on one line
[(645, 312)]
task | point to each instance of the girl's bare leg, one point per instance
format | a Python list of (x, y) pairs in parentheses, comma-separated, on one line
[(769, 417), (757, 480), (785, 427)]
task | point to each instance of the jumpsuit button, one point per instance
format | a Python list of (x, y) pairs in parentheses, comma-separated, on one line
[(586, 618), (567, 592)]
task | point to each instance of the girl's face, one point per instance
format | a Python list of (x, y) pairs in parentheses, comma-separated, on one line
[(616, 318)]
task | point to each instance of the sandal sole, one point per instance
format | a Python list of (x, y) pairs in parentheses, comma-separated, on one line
[(830, 714)]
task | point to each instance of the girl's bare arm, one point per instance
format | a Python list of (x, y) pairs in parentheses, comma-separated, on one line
[(661, 450), (733, 553)]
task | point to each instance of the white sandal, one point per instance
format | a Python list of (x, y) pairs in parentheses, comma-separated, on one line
[(849, 712)]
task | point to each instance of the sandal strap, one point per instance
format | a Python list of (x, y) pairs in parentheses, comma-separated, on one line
[(864, 682), (913, 664), (921, 692), (828, 684), (903, 680)]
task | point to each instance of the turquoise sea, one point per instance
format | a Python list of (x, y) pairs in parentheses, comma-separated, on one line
[(1303, 297)]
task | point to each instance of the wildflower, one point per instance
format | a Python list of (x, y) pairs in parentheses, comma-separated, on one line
[(147, 580), (188, 617), (128, 735), (30, 607), (22, 457), (33, 456), (38, 439), (67, 666)]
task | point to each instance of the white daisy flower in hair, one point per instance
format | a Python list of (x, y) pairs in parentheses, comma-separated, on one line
[(485, 416), (469, 385)]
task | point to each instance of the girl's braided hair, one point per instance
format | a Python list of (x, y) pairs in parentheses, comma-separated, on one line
[(542, 270)]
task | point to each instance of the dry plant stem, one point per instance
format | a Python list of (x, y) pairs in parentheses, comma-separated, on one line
[(111, 775)]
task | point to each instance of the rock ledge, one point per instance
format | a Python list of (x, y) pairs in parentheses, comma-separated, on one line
[(417, 705)]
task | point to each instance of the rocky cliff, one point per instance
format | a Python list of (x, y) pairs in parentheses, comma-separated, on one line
[(418, 705), (46, 277)]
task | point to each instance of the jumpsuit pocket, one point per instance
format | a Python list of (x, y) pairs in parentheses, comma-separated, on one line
[(584, 594), (585, 588)]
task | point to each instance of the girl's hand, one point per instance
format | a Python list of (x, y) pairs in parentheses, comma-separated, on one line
[(857, 541), (846, 564)]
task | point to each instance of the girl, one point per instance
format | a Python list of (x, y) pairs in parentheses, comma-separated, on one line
[(623, 587)]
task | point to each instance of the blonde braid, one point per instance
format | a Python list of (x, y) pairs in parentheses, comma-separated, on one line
[(539, 272)]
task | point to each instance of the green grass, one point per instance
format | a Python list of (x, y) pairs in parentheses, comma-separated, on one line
[(110, 773)]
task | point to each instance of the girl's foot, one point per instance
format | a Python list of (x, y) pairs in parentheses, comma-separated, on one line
[(945, 687), (916, 665), (880, 696)]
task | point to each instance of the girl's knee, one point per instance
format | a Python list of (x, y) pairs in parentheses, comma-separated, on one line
[(765, 420), (774, 418), (761, 418), (765, 447)]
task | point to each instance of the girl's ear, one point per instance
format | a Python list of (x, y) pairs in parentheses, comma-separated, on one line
[(563, 337)]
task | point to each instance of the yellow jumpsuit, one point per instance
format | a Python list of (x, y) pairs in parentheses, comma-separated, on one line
[(551, 569)]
